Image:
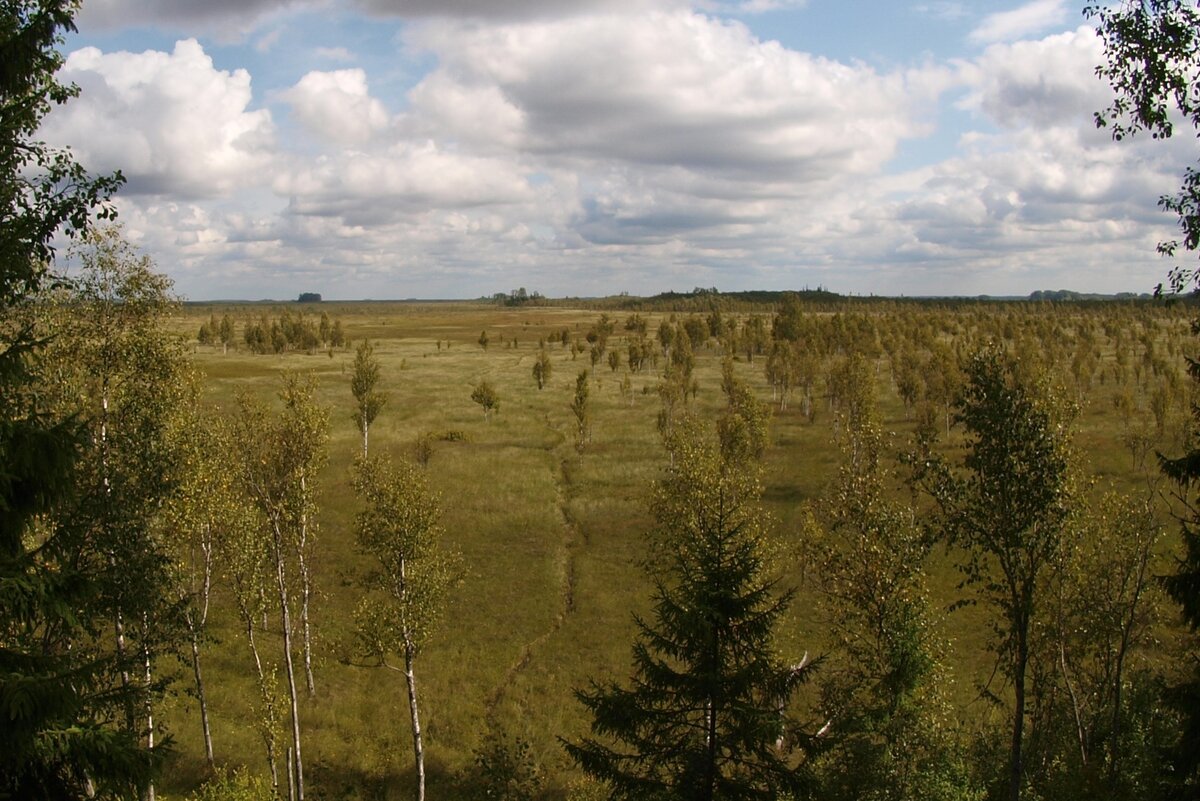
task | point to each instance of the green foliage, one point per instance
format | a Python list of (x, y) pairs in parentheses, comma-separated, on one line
[(702, 717), (1152, 50), (369, 401), (583, 414), (398, 527), (506, 770), (742, 427), (278, 461), (1007, 508), (1183, 586), (485, 395), (1095, 731), (287, 332), (883, 686), (238, 785)]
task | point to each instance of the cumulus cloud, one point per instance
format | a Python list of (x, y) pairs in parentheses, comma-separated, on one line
[(643, 150), (1044, 82), (171, 122), (337, 106), (402, 180), (599, 88), (1033, 17)]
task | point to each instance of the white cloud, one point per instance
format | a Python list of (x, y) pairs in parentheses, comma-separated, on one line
[(599, 89), (403, 180), (337, 106), (638, 151), (1044, 82), (170, 121), (1031, 18)]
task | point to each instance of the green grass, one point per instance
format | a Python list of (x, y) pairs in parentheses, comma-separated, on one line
[(551, 538)]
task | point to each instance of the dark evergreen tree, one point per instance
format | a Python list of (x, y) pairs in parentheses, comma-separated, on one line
[(55, 702), (1184, 588), (703, 717)]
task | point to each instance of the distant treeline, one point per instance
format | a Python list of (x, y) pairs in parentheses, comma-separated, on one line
[(817, 300)]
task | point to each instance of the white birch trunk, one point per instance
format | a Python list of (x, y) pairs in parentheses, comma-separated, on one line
[(305, 593), (285, 614), (411, 681)]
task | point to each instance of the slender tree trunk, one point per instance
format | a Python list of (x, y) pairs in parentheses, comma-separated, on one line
[(305, 594), (364, 430), (418, 747), (195, 627), (285, 614), (119, 628), (1126, 636), (200, 696), (269, 706), (291, 776), (1016, 768), (148, 679)]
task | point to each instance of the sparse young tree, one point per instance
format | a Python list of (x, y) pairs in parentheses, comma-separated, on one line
[(742, 427), (309, 426), (200, 516), (484, 339), (882, 686), (1007, 508), (582, 412), (700, 718), (279, 460), (542, 367), (363, 384), (1098, 728), (627, 388), (225, 332), (399, 528), (245, 560), (122, 371), (485, 395)]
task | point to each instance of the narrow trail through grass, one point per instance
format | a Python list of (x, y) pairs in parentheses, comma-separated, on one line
[(568, 545)]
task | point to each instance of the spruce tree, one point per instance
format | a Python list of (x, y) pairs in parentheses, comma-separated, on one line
[(55, 701), (702, 716)]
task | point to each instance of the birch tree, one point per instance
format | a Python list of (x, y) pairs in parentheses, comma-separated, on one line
[(399, 528), (198, 517), (882, 686), (131, 380), (1007, 507), (279, 461), (245, 558), (368, 399)]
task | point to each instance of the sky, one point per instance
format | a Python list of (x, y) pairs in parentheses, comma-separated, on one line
[(458, 148)]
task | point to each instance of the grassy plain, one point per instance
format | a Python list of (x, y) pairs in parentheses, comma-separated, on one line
[(552, 538)]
